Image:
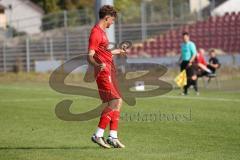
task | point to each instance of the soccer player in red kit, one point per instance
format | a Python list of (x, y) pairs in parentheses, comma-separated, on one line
[(101, 58)]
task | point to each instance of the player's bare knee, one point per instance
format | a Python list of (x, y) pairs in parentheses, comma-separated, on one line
[(120, 102), (116, 103)]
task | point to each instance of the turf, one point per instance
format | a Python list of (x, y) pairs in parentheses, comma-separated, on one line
[(193, 127)]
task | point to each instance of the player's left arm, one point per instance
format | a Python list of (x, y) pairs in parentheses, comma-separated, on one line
[(194, 53), (119, 51)]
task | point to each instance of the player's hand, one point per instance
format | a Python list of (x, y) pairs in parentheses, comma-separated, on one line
[(102, 66), (125, 48), (123, 52), (189, 64)]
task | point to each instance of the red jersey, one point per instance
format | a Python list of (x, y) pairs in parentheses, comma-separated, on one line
[(200, 59), (98, 42), (106, 78)]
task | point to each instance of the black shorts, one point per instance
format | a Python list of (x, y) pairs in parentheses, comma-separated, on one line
[(211, 68), (184, 65)]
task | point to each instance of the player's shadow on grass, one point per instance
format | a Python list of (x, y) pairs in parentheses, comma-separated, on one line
[(48, 148)]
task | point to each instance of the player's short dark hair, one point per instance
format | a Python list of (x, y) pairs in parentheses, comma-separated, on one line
[(185, 34), (107, 10)]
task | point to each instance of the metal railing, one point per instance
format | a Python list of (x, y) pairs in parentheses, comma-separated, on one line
[(65, 34), (21, 53)]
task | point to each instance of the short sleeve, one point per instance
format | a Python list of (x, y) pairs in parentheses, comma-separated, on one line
[(193, 49), (94, 41)]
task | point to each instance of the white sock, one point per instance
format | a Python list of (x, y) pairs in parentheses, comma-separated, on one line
[(113, 134), (99, 132)]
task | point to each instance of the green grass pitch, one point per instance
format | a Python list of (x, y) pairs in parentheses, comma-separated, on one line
[(205, 127)]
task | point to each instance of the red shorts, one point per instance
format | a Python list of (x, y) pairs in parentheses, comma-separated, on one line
[(107, 84)]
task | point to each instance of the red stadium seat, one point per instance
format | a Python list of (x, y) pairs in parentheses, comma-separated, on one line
[(215, 32)]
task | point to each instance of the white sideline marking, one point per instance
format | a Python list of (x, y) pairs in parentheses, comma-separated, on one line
[(27, 100), (202, 98), (25, 88), (169, 97), (50, 99)]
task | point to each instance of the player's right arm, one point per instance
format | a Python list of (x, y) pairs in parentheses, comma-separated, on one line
[(92, 61), (94, 41)]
